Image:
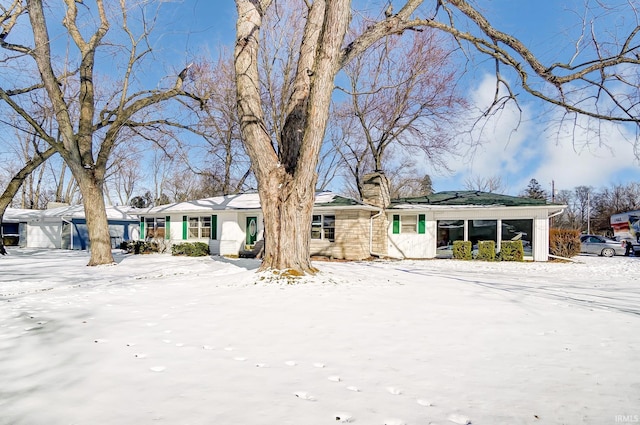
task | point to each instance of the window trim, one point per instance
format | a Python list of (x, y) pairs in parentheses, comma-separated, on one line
[(144, 227), (321, 225), (201, 220)]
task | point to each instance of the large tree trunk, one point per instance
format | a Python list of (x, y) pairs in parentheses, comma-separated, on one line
[(287, 209), (287, 177), (96, 216)]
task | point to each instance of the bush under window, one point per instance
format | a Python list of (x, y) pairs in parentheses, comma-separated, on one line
[(190, 249)]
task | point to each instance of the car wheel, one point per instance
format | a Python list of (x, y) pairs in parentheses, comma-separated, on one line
[(608, 252)]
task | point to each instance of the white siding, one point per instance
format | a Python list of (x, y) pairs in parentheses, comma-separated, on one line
[(414, 245)]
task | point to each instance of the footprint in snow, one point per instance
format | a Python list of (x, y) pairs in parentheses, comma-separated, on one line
[(354, 389), (394, 390), (261, 365), (343, 417), (334, 378), (459, 419), (394, 421), (99, 341), (423, 402), (158, 368), (304, 395), (240, 359), (320, 365), (207, 347), (140, 355), (290, 363)]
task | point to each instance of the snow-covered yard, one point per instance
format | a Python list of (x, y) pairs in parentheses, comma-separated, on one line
[(167, 340)]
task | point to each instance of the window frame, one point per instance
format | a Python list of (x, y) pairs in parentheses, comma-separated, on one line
[(323, 227), (202, 229), (157, 223)]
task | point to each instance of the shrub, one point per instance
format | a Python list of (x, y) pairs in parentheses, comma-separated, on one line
[(486, 250), (462, 250), (143, 247), (564, 242), (511, 251), (195, 249)]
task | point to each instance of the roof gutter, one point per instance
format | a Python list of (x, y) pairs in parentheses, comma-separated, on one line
[(556, 213)]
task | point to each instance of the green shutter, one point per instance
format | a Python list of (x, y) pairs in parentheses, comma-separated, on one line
[(396, 224), (167, 227), (185, 229), (214, 227), (421, 223), (141, 235)]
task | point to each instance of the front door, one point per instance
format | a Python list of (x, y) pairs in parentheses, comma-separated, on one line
[(251, 230)]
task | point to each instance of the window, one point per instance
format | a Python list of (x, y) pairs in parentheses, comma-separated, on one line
[(323, 227), (409, 224), (483, 230), (513, 230), (449, 231), (199, 227), (154, 227)]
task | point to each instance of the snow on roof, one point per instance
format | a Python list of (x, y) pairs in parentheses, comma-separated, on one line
[(244, 201), (67, 212)]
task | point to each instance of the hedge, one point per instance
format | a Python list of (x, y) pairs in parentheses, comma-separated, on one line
[(564, 242), (511, 251), (190, 249), (462, 250)]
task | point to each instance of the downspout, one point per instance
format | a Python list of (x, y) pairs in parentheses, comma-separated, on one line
[(556, 214), (371, 251)]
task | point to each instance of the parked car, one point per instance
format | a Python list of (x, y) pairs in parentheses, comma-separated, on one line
[(594, 244)]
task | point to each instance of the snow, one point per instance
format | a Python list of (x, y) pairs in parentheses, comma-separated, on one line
[(175, 340)]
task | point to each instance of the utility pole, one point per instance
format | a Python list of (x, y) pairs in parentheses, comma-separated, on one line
[(553, 198), (588, 212)]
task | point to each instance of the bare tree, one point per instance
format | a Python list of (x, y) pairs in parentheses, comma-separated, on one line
[(226, 167), (401, 92), (285, 168), (86, 143), (493, 184)]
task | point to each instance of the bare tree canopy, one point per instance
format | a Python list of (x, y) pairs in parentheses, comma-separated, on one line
[(92, 113)]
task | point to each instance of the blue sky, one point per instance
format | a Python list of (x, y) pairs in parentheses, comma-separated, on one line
[(513, 148), (515, 151)]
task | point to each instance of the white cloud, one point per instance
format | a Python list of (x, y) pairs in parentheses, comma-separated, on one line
[(518, 147), (573, 155)]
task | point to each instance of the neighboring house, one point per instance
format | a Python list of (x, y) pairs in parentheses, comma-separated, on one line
[(14, 227), (63, 227), (426, 227), (228, 224)]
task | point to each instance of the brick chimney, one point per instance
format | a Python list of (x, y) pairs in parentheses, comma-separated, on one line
[(375, 189)]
